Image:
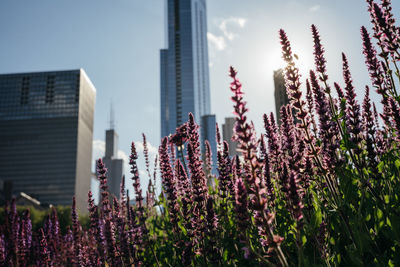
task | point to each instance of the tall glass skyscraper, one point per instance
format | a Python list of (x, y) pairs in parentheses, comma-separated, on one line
[(46, 135), (184, 65)]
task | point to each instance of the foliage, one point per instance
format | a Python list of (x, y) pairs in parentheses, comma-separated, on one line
[(322, 188)]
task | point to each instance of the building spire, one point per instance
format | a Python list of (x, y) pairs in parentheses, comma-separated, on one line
[(112, 118)]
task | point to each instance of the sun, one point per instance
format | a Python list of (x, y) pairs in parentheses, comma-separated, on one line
[(303, 59)]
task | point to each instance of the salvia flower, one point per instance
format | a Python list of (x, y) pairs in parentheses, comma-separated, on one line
[(208, 162), (180, 137), (271, 131), (292, 79), (395, 113), (109, 231), (310, 106), (241, 207), (197, 175), (244, 132), (135, 177), (295, 196), (2, 249), (369, 130), (267, 172), (212, 228), (374, 68), (146, 155), (385, 30), (105, 202), (327, 128), (224, 169), (169, 182), (319, 58), (76, 234), (353, 114), (95, 227), (44, 252)]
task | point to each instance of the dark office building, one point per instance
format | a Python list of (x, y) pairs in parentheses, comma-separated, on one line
[(46, 132), (184, 65), (113, 164), (208, 131), (227, 133), (281, 97)]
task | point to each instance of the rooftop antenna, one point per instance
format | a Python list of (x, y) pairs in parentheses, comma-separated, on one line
[(112, 119)]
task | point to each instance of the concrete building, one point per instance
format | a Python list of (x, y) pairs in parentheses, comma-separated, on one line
[(281, 97), (113, 164), (227, 133), (46, 132)]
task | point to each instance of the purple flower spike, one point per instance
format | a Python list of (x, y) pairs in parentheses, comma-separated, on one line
[(395, 113), (384, 28), (169, 183), (198, 178), (241, 207), (76, 235), (310, 106), (181, 135), (267, 173), (352, 107), (44, 250), (244, 132), (295, 196), (146, 155), (374, 68), (339, 91), (135, 178), (95, 229), (319, 58), (369, 130), (327, 128), (212, 230), (218, 134), (224, 169), (2, 249), (208, 163), (292, 79), (271, 131)]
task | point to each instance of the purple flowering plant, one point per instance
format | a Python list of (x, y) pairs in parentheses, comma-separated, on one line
[(320, 188)]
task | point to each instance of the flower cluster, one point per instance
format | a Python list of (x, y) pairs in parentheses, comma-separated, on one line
[(320, 187)]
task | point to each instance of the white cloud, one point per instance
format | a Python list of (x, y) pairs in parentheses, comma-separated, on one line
[(99, 148), (218, 42), (314, 8), (152, 149), (227, 26)]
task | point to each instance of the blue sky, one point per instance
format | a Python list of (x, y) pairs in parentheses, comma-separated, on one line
[(118, 42)]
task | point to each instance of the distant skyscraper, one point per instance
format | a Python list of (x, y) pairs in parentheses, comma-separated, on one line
[(184, 65), (281, 97), (208, 130), (227, 133), (46, 134), (113, 164)]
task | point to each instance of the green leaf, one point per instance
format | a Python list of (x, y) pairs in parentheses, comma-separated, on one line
[(397, 163), (386, 199), (379, 214), (225, 255), (304, 239), (380, 166)]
